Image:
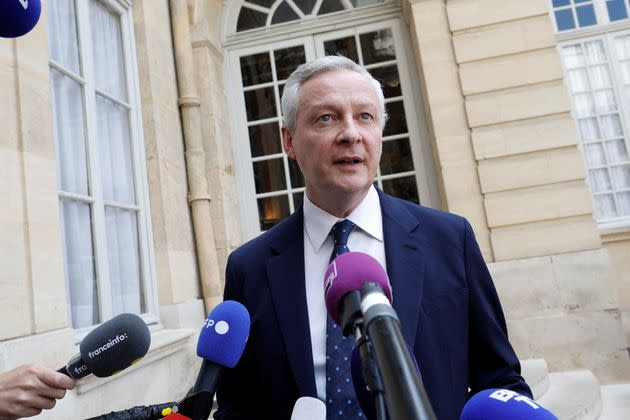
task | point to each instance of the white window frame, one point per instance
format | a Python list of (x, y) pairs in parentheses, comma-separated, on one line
[(286, 35), (95, 199), (601, 15)]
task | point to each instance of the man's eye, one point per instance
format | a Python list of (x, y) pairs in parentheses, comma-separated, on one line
[(366, 116), (325, 118)]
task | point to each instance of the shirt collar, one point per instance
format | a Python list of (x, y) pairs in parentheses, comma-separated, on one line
[(367, 216)]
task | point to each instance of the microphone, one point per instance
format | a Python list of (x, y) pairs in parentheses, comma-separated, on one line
[(111, 347), (308, 408), (17, 17), (358, 274), (503, 404), (221, 344)]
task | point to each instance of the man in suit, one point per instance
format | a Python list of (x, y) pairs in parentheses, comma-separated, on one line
[(449, 311)]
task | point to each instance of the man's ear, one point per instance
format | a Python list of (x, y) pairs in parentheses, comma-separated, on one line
[(287, 142)]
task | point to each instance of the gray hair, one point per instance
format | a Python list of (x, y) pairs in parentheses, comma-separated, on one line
[(291, 93)]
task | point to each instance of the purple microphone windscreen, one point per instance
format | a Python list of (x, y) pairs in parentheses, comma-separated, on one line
[(224, 334), (17, 17), (500, 404), (348, 272), (115, 345)]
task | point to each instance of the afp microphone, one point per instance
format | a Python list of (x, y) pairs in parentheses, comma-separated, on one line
[(308, 408), (111, 347), (503, 404), (17, 17)]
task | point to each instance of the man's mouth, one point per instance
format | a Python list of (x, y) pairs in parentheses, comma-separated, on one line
[(349, 161)]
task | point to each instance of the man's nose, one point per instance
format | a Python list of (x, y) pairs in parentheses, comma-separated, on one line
[(349, 131)]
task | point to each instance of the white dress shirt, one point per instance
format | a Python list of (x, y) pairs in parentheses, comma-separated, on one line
[(366, 237)]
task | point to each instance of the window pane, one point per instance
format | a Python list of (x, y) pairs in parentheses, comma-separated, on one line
[(263, 3), (62, 34), (265, 139), (287, 60), (594, 155), (624, 203), (404, 188), (584, 105), (260, 104), (595, 53), (76, 225), (600, 180), (363, 3), (564, 19), (269, 175), (600, 77), (330, 6), (124, 260), (272, 210), (298, 199), (621, 176), (578, 81), (377, 46), (115, 154), (388, 76), (558, 3), (306, 6), (396, 157), (573, 56), (611, 126), (623, 47), (69, 129), (605, 101), (107, 49), (344, 46), (256, 69), (250, 19), (616, 10), (605, 206), (617, 151), (586, 15), (589, 130), (397, 123), (284, 13), (297, 179)]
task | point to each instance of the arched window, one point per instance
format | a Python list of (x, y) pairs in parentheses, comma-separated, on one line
[(371, 33)]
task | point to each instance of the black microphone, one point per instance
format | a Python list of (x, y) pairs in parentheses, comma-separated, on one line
[(354, 271), (111, 347)]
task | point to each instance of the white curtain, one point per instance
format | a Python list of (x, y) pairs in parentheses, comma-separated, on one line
[(596, 109)]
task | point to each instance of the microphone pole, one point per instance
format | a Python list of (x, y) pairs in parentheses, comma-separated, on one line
[(404, 392)]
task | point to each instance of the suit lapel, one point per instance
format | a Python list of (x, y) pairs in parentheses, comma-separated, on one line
[(405, 263), (288, 292)]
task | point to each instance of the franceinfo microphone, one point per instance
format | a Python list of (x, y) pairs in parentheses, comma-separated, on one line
[(356, 271), (503, 404), (308, 408), (111, 347), (17, 17)]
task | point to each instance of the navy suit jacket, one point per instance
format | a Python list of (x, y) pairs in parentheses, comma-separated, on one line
[(443, 294)]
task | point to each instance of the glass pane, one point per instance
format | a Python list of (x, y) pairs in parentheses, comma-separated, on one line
[(272, 210), (298, 199), (260, 103), (377, 46), (594, 155), (69, 131), (600, 77), (589, 129), (396, 157), (284, 13), (616, 10), (586, 15), (263, 3), (558, 3), (76, 225), (363, 3), (605, 101), (573, 56), (107, 48), (605, 206), (564, 19), (578, 82), (297, 179), (124, 260), (595, 53), (269, 175), (624, 203), (623, 47), (625, 71), (115, 154), (265, 139), (330, 6), (600, 180), (404, 188), (397, 123), (617, 151), (256, 69), (287, 60), (343, 46), (250, 19), (584, 106), (306, 6), (62, 34), (621, 176), (388, 76), (611, 126)]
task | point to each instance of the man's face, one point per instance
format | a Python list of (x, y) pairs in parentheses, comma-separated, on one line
[(337, 140)]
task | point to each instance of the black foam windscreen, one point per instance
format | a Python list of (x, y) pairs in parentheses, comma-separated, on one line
[(115, 345)]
